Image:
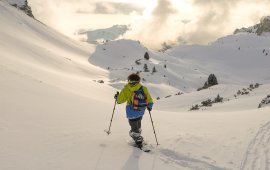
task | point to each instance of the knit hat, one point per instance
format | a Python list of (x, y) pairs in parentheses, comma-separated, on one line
[(134, 78)]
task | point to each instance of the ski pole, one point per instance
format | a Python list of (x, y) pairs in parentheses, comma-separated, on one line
[(153, 126), (108, 131)]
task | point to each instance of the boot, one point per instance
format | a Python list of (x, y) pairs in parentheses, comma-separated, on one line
[(136, 137)]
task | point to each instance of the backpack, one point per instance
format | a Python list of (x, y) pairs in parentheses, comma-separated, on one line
[(139, 100)]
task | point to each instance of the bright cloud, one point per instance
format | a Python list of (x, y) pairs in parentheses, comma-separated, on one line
[(153, 21)]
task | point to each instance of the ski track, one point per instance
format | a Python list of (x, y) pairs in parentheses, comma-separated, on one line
[(257, 155), (168, 155)]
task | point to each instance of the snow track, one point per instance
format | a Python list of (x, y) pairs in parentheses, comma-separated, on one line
[(258, 155), (187, 162)]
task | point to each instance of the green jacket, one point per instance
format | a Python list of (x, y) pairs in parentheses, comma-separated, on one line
[(126, 96), (127, 91)]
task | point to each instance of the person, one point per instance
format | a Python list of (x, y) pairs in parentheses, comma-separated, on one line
[(138, 100)]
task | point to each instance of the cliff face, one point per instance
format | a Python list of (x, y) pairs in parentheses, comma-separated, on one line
[(22, 5), (259, 29), (264, 26)]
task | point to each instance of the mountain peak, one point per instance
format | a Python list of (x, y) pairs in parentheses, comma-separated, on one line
[(22, 5), (259, 29)]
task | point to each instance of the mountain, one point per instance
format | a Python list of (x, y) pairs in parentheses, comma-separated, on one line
[(107, 34), (259, 29), (238, 59), (55, 104), (22, 5)]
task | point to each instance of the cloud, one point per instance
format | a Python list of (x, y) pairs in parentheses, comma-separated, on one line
[(206, 21), (163, 11), (154, 31), (191, 21), (213, 20), (218, 18), (117, 8)]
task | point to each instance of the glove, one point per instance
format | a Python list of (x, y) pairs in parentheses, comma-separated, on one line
[(149, 109), (116, 95)]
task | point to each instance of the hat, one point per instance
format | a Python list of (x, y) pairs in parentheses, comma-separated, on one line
[(134, 78)]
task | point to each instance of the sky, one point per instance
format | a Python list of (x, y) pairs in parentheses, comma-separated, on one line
[(153, 21)]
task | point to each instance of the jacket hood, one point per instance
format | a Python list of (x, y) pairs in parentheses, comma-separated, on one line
[(134, 87)]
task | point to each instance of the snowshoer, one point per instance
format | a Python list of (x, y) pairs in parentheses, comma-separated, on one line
[(138, 99)]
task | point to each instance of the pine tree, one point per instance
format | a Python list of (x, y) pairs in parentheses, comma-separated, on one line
[(146, 56), (218, 99), (205, 85), (154, 69), (145, 68), (212, 80)]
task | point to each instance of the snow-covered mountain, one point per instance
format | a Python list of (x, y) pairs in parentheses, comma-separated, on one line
[(54, 108), (259, 29), (106, 34), (238, 59), (18, 3), (22, 5)]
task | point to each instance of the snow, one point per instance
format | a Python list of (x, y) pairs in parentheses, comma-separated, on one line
[(18, 2), (54, 112), (99, 35)]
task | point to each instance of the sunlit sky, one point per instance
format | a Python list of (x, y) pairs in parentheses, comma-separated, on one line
[(153, 21)]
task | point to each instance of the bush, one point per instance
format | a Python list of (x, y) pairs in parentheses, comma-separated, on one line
[(199, 89), (196, 107), (239, 92), (138, 62), (100, 81), (257, 85), (179, 93), (218, 99), (168, 96), (246, 91), (264, 102), (207, 103)]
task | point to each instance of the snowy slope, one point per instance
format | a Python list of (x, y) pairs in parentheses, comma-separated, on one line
[(237, 59), (119, 58), (47, 92), (53, 111), (17, 2)]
